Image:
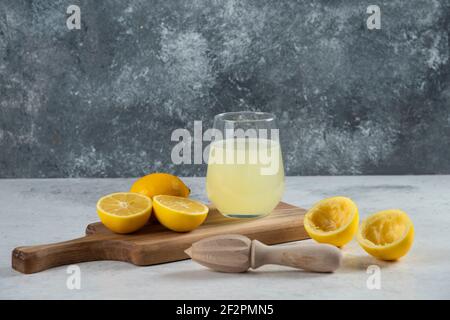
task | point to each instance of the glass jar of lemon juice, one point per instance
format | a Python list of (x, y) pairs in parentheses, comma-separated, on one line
[(245, 177)]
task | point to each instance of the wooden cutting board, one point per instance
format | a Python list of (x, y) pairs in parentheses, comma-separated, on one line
[(155, 244)]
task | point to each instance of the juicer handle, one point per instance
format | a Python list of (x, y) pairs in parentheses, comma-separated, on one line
[(309, 257)]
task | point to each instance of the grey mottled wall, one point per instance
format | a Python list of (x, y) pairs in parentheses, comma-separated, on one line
[(103, 101)]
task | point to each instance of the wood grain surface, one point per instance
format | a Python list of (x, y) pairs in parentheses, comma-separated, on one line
[(155, 244)]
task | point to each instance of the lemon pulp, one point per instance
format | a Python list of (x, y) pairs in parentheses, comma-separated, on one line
[(124, 212), (123, 204), (178, 213), (333, 220), (331, 215), (387, 235)]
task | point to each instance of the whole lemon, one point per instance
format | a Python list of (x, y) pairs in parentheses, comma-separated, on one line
[(160, 183)]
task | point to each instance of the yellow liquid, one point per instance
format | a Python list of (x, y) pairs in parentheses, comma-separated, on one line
[(245, 177)]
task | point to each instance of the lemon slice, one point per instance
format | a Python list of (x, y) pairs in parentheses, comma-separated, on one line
[(178, 213), (333, 220), (387, 235), (124, 212)]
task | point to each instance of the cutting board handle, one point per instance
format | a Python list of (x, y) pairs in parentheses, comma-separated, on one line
[(33, 259)]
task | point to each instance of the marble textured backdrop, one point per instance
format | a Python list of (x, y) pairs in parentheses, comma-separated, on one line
[(102, 101)]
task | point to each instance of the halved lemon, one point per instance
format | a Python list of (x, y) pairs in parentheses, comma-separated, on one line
[(124, 212), (178, 213), (332, 220), (387, 235)]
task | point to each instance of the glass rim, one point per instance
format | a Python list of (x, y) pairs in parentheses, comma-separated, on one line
[(265, 116)]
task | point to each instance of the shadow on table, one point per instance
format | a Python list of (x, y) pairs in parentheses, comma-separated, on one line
[(352, 263), (208, 275)]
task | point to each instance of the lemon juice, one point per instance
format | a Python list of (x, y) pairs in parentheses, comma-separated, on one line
[(245, 176)]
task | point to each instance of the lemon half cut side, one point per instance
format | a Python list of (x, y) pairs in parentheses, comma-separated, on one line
[(387, 235), (179, 213), (333, 221), (124, 212)]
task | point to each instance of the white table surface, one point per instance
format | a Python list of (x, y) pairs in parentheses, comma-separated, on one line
[(40, 211)]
